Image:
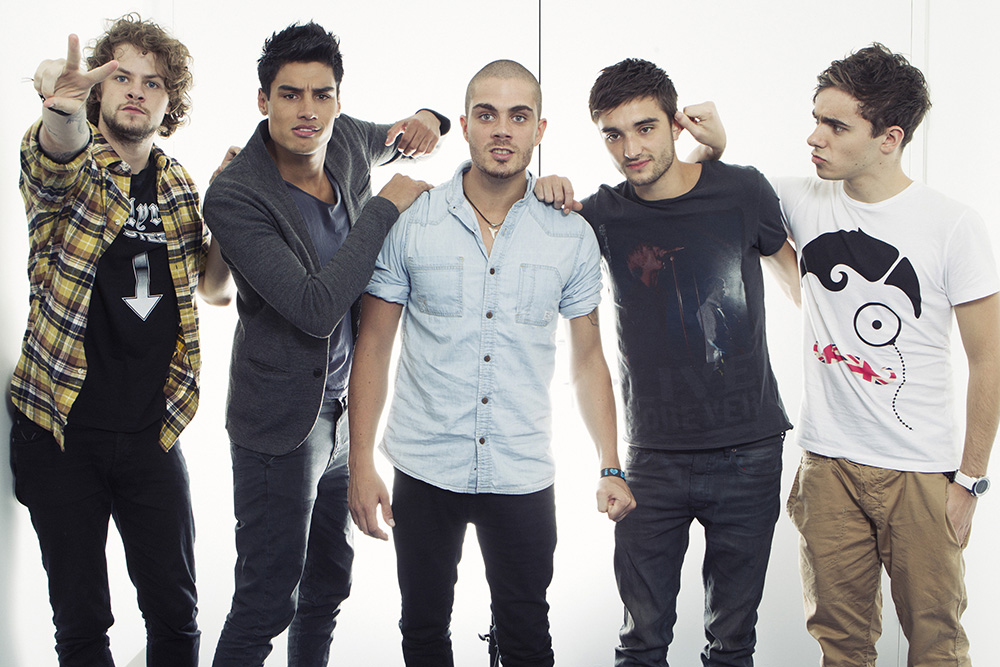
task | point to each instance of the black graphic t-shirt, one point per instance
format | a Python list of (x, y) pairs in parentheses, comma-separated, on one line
[(132, 323), (689, 296)]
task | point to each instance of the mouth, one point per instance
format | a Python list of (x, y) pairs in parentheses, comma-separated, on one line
[(636, 165), (817, 159), (133, 110), (501, 153), (306, 131)]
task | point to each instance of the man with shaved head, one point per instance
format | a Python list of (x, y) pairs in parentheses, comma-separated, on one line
[(482, 268)]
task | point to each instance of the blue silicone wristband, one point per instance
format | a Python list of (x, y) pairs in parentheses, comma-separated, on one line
[(612, 472)]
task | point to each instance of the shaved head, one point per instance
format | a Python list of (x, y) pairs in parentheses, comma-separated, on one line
[(505, 69)]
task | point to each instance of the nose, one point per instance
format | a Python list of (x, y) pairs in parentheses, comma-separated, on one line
[(502, 128), (631, 147), (135, 92), (816, 138), (306, 109)]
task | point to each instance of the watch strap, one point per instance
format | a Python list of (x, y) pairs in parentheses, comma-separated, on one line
[(974, 485)]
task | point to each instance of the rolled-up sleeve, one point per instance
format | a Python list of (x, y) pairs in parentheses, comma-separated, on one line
[(582, 292)]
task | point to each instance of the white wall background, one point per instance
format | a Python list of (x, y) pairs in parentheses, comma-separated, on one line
[(758, 61)]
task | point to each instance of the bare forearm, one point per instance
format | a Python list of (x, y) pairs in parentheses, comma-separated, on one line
[(62, 137), (982, 417), (215, 285), (979, 325), (366, 400), (592, 384), (369, 385), (596, 401), (703, 154), (783, 266)]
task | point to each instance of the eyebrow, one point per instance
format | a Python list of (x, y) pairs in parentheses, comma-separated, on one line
[(293, 89), (828, 120), (639, 123), (520, 108)]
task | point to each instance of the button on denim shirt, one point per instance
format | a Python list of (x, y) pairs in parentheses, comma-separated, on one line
[(471, 411)]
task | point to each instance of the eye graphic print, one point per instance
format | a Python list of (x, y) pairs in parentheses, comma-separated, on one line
[(876, 324)]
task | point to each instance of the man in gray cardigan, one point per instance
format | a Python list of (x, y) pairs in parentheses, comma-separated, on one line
[(300, 230)]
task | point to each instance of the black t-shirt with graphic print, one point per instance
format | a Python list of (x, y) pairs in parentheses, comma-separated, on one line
[(689, 296), (132, 323)]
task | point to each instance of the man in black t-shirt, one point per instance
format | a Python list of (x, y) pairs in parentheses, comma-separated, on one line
[(108, 374), (683, 244)]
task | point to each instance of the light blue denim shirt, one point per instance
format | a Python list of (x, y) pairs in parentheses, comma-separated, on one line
[(471, 410)]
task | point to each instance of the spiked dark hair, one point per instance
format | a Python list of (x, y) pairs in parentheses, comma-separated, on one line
[(297, 43), (889, 90), (628, 80)]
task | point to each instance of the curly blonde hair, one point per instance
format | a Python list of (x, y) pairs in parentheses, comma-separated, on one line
[(172, 57)]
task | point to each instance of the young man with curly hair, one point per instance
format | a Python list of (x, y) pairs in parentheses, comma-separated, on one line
[(108, 373)]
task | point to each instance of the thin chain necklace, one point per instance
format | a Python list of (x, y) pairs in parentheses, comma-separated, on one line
[(493, 228)]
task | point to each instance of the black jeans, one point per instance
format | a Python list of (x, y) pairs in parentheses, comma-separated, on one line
[(517, 536), (71, 494)]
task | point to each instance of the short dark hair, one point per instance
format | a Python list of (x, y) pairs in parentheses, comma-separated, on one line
[(307, 43), (505, 69), (628, 80), (172, 58), (889, 90)]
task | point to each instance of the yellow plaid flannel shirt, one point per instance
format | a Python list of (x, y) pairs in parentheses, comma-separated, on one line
[(75, 210)]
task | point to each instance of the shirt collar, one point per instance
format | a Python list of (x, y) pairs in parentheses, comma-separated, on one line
[(106, 157), (456, 193)]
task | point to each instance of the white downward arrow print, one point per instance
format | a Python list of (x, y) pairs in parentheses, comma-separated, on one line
[(143, 302)]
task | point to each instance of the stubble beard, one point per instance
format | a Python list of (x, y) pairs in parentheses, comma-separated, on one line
[(660, 166), (127, 134), (484, 163)]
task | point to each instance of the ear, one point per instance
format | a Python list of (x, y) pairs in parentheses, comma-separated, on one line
[(542, 124), (340, 103), (675, 129), (892, 139), (262, 101), (464, 122)]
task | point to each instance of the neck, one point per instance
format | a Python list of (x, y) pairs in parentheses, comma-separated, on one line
[(679, 179), (872, 188), (135, 155), (302, 171), (494, 195)]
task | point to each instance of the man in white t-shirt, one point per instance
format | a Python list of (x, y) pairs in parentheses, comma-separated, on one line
[(885, 477)]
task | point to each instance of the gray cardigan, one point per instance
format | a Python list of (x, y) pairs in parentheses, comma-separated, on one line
[(289, 305)]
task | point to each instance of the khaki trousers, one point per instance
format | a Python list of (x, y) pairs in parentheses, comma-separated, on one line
[(855, 519)]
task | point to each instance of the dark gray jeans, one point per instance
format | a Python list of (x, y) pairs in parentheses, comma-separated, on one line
[(734, 494), (294, 549)]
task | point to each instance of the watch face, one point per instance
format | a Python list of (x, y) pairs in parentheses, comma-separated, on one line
[(981, 486)]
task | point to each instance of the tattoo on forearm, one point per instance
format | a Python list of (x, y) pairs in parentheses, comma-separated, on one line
[(79, 121)]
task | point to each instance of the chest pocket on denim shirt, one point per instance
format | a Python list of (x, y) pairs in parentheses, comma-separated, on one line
[(436, 285), (539, 290)]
